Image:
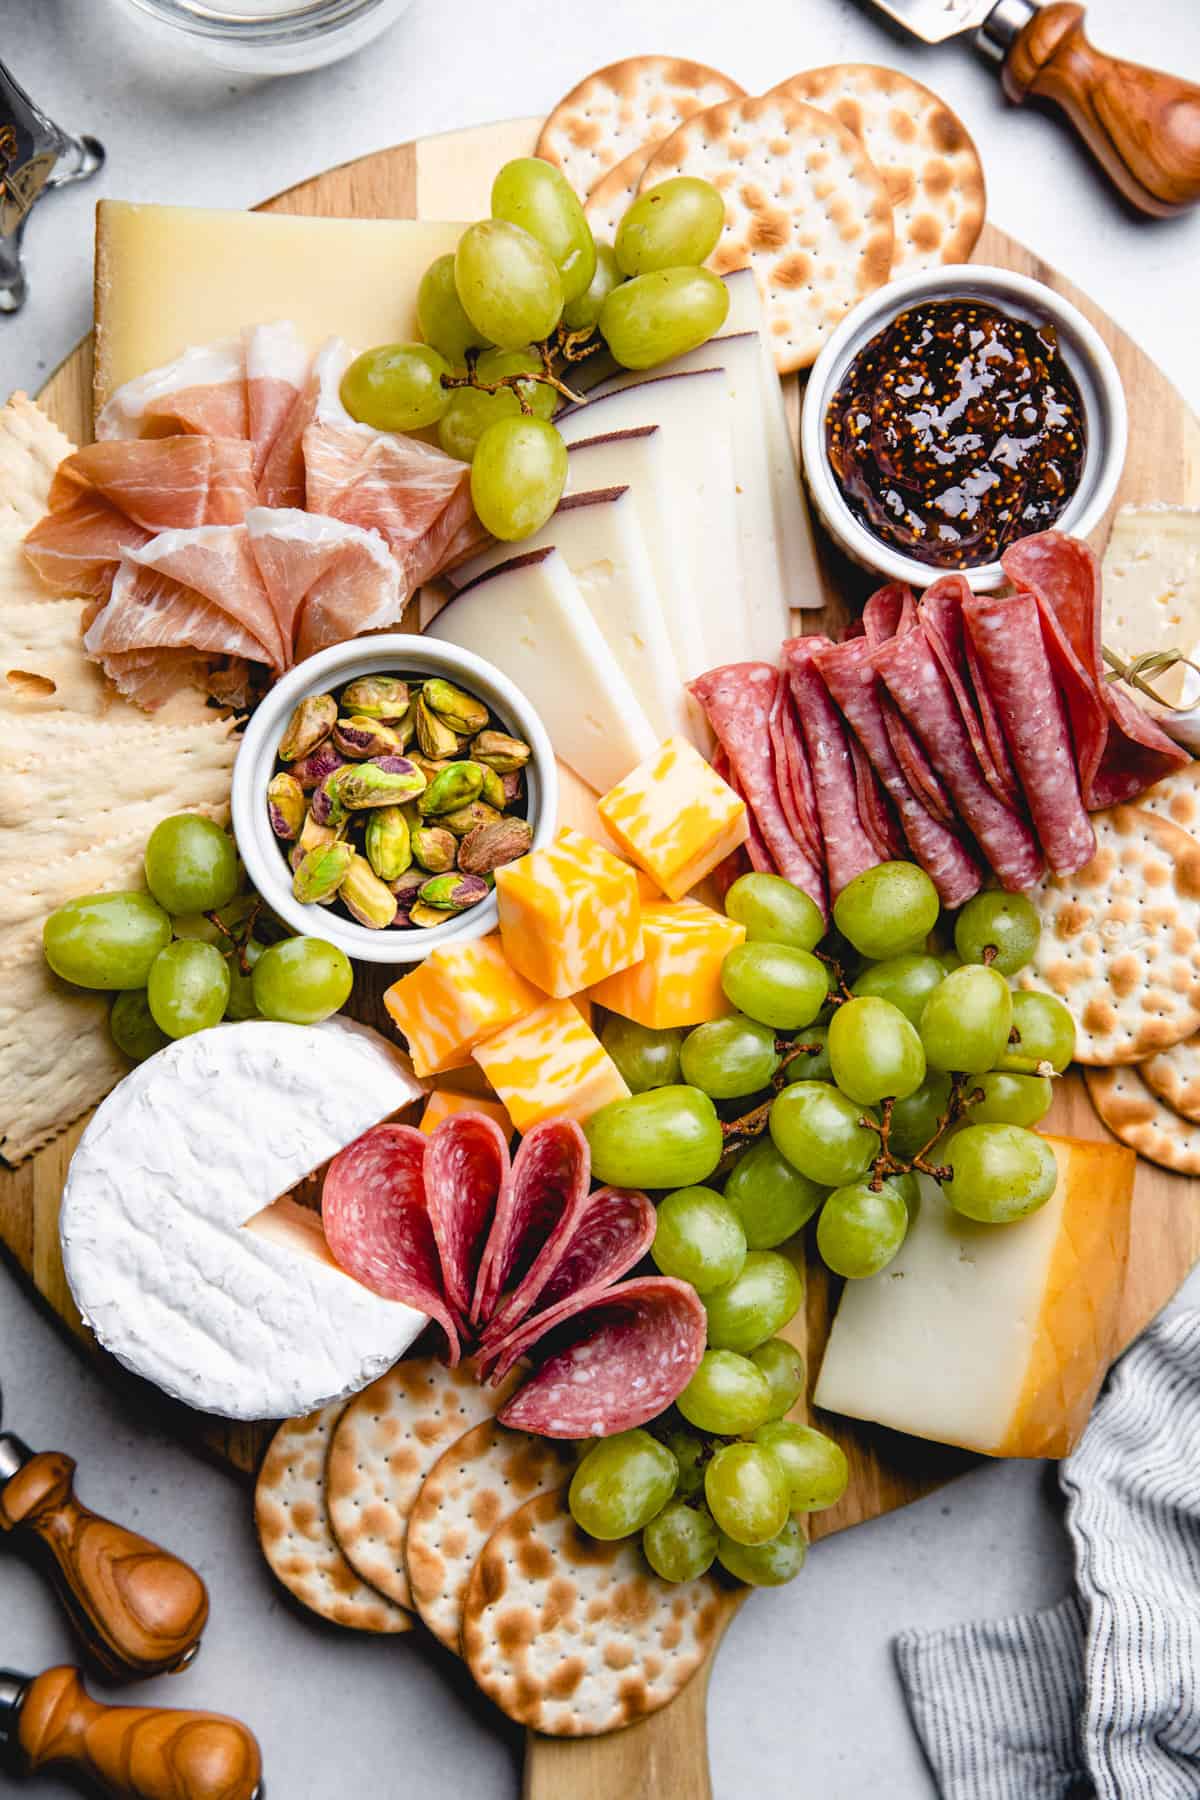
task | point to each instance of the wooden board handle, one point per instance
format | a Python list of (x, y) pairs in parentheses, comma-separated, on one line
[(1141, 125), (136, 1752), (140, 1610)]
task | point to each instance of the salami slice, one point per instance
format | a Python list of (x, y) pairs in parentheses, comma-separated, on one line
[(466, 1174), (377, 1224), (1007, 634), (941, 616), (537, 1217), (793, 775), (889, 613), (847, 844), (618, 1359), (755, 846), (878, 819)]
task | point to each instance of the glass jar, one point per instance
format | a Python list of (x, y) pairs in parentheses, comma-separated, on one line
[(272, 37)]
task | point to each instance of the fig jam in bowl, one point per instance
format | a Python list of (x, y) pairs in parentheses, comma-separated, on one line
[(956, 411)]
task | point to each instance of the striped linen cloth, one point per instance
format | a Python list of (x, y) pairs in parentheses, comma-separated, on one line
[(1099, 1697)]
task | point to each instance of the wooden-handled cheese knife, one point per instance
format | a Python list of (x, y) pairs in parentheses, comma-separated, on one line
[(1141, 125)]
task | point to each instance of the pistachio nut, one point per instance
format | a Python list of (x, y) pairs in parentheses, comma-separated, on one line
[(312, 834), (434, 736), (429, 765), (365, 897), (457, 785), (461, 711), (420, 914), (384, 697), (488, 847), (405, 886), (513, 783), (493, 789), (500, 752), (465, 818), (309, 725), (405, 728), (387, 842), (384, 782), (321, 872), (311, 770), (454, 893), (434, 848), (286, 806), (327, 806), (359, 737)]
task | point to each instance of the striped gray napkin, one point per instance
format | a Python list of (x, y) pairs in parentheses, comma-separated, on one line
[(1099, 1697)]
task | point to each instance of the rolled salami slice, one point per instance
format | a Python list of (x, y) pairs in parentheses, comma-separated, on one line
[(755, 846), (1007, 634), (377, 1224), (793, 774), (537, 1216), (878, 819), (890, 612), (619, 1358), (845, 839), (467, 1171), (941, 616)]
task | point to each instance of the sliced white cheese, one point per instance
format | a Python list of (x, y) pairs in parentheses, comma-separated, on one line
[(184, 1154), (1151, 587), (528, 617)]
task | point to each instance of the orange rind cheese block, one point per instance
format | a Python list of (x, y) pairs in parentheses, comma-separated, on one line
[(459, 995), (678, 980), (675, 817), (443, 1103), (569, 914), (550, 1064)]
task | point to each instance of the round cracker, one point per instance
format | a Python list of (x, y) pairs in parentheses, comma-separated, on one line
[(1176, 797), (923, 151), (1174, 1075), (1143, 1121), (474, 1485), (612, 197), (627, 106), (805, 208), (294, 1531), (573, 1637), (386, 1442), (1120, 941)]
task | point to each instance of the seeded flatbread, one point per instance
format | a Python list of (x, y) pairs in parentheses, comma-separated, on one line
[(1143, 1121), (625, 107), (613, 195), (805, 208), (293, 1529), (473, 1485)]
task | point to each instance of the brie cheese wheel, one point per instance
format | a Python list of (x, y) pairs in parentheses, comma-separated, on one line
[(163, 1249)]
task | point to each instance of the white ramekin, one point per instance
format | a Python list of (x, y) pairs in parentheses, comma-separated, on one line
[(265, 857), (1083, 351)]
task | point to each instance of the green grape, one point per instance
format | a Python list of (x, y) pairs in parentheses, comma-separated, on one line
[(508, 283), (620, 1485), (729, 1057), (583, 314), (874, 1050), (783, 1366), (1045, 1033), (106, 940), (517, 476), (681, 1543), (191, 864), (860, 1229), (302, 980), (1004, 925), (689, 1452), (467, 417), (538, 197), (645, 1058), (668, 1138), (887, 909), (132, 1026), (188, 987), (1011, 1099), (494, 365), (396, 387), (776, 984), (810, 1064), (726, 1395), (747, 1493), (909, 1190), (816, 1468), (820, 1133), (240, 1005), (915, 1118), (999, 1173), (966, 1020), (699, 1238), (440, 315), (906, 981), (670, 225), (766, 1565), (775, 912), (206, 928), (755, 1304), (949, 959), (654, 317), (771, 1198)]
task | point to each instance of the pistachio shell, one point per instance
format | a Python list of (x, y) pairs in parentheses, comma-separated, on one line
[(310, 724), (286, 806), (359, 737), (461, 711), (321, 872), (435, 737), (452, 787), (387, 842), (365, 897), (500, 752), (383, 697)]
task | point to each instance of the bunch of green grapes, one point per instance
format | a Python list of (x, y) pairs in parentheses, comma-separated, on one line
[(180, 957), (521, 285)]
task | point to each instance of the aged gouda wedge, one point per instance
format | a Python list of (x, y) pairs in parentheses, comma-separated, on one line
[(460, 994), (678, 980), (675, 817), (550, 1065), (569, 914)]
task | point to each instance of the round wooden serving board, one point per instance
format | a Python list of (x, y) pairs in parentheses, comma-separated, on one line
[(449, 177)]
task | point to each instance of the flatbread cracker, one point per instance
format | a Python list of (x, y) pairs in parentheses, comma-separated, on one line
[(31, 448), (1120, 941), (573, 1637), (1143, 1121), (805, 208), (56, 1056), (293, 1530), (1176, 797), (613, 195), (472, 1487), (923, 151), (621, 108), (1174, 1075)]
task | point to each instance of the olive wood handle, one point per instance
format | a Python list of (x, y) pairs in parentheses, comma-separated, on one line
[(136, 1752), (1141, 125), (140, 1610)]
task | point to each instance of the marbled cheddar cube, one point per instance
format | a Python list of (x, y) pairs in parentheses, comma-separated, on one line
[(675, 817), (458, 995), (569, 914), (550, 1064), (443, 1103), (678, 981)]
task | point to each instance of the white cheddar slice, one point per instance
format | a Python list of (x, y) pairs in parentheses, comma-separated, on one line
[(1151, 587), (528, 617)]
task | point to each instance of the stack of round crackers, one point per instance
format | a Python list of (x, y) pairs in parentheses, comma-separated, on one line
[(836, 181), (412, 1504)]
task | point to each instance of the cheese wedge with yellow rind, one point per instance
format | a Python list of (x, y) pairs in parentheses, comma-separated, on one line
[(675, 817), (550, 1064), (459, 995), (678, 980), (570, 914)]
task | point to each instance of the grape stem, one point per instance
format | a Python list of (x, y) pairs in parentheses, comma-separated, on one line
[(239, 944), (843, 993), (577, 346), (888, 1163), (515, 382)]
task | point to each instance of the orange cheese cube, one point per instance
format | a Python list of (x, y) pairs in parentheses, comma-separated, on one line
[(550, 1065), (678, 981), (460, 994), (675, 817), (443, 1103), (569, 914)]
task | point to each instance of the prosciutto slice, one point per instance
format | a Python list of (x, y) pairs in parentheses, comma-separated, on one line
[(202, 393), (78, 549), (277, 366), (941, 617), (848, 845), (324, 580)]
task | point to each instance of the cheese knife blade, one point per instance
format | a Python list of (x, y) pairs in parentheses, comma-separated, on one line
[(933, 21)]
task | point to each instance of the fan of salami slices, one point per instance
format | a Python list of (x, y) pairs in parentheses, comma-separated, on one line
[(519, 1258)]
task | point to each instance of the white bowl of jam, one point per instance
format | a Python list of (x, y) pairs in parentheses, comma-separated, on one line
[(955, 411)]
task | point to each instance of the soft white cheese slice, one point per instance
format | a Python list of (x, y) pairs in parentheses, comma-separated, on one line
[(528, 617), (176, 1163), (1151, 587)]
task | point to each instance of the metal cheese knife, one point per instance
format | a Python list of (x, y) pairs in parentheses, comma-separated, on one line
[(1142, 126)]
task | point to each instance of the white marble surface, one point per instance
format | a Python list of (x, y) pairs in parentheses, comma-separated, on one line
[(804, 1701)]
